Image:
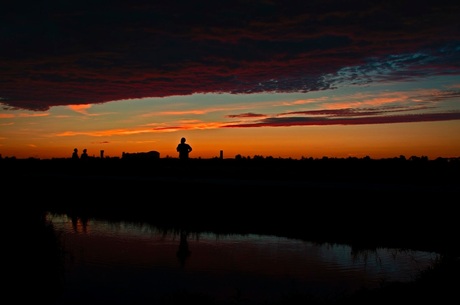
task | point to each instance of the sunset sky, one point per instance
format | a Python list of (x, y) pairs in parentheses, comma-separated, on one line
[(272, 78)]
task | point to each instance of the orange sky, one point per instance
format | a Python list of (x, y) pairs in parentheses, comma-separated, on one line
[(376, 78), (141, 126)]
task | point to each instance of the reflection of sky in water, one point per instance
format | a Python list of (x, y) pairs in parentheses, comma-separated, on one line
[(249, 260), (401, 264)]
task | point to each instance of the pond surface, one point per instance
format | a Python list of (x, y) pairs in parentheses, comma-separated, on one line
[(136, 263)]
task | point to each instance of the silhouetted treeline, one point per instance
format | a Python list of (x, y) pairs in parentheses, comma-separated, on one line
[(390, 170)]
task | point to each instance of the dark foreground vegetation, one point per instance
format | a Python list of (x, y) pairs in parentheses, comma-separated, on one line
[(410, 204)]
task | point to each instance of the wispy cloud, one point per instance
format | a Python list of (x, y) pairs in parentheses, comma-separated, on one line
[(23, 115), (83, 109), (346, 120), (246, 115)]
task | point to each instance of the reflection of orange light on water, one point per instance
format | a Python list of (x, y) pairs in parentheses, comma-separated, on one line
[(261, 266)]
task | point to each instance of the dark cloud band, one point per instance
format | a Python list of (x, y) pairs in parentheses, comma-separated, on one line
[(82, 52)]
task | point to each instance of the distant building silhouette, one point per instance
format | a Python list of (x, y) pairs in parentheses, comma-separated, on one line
[(141, 155)]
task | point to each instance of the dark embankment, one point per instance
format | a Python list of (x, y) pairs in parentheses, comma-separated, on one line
[(363, 202)]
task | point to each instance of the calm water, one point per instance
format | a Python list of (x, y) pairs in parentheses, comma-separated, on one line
[(125, 263)]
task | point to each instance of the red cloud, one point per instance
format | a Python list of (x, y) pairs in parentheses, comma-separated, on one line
[(303, 121)]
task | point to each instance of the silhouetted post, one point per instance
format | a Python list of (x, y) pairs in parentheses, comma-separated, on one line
[(221, 154), (102, 154)]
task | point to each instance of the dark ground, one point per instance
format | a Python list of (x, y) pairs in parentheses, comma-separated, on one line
[(363, 203), (366, 202)]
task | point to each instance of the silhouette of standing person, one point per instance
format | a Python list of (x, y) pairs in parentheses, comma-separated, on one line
[(184, 149), (75, 154), (84, 155)]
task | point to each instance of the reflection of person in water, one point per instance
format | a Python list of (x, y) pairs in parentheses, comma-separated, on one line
[(183, 149), (79, 224), (183, 251)]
